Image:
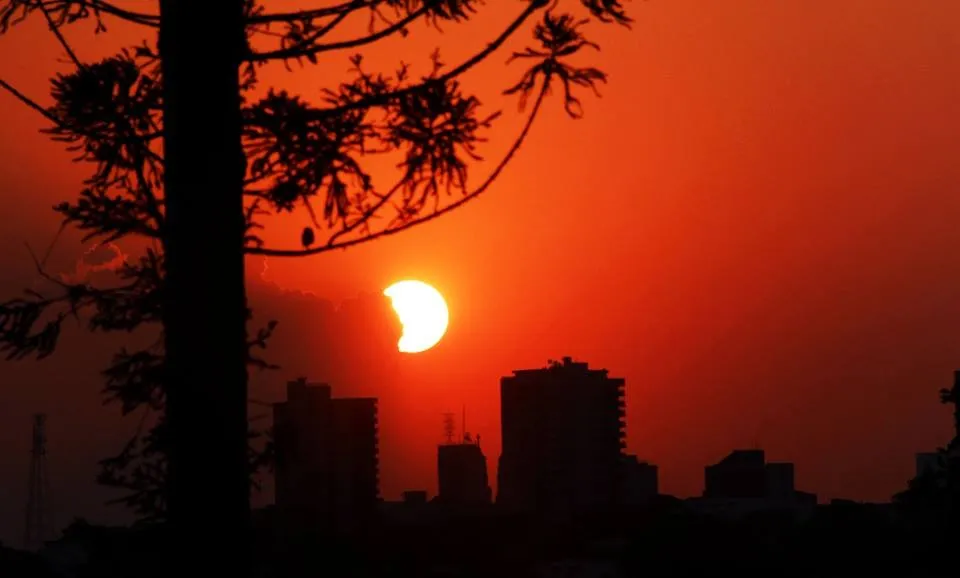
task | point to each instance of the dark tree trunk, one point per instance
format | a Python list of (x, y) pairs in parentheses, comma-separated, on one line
[(201, 46)]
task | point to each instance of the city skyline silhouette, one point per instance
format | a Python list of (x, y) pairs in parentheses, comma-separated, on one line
[(562, 404), (746, 213)]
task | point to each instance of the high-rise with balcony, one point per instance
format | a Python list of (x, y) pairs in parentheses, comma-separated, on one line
[(563, 439)]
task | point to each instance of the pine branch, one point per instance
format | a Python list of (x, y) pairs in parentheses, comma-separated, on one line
[(313, 14), (151, 20), (429, 126), (380, 99), (403, 226), (309, 48), (13, 12)]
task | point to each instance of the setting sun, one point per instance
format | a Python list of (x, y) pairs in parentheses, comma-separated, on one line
[(422, 312)]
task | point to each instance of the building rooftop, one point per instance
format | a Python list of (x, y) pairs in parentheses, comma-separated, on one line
[(744, 458), (566, 365)]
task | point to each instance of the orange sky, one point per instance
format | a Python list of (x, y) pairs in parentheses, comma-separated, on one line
[(755, 227)]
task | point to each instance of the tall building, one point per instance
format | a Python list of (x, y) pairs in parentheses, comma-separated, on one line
[(563, 438), (327, 466), (356, 457), (462, 474)]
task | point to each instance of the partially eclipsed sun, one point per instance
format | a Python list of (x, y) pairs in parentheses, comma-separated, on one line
[(422, 312)]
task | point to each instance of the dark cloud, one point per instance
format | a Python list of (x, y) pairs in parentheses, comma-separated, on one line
[(351, 345)]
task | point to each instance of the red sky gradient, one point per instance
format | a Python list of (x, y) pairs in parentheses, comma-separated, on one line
[(756, 226)]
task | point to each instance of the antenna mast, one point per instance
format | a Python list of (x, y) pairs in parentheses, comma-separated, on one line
[(448, 427), (38, 518)]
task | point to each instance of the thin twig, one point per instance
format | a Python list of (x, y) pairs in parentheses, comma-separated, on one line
[(304, 50), (56, 32), (40, 270), (141, 18), (30, 102), (53, 243), (348, 6)]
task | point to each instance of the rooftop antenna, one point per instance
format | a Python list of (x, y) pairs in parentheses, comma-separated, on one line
[(448, 427), (38, 521), (463, 425)]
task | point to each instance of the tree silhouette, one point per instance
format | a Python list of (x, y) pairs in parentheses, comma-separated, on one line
[(931, 501), (189, 153), (952, 397)]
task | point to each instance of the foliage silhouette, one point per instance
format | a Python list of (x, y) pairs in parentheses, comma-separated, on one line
[(299, 153), (931, 501)]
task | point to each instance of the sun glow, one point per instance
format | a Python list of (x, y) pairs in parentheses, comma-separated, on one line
[(422, 312)]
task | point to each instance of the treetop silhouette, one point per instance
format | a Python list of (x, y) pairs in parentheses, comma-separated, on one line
[(301, 154), (131, 117)]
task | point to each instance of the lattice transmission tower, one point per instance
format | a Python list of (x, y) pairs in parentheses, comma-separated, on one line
[(39, 525), (449, 427)]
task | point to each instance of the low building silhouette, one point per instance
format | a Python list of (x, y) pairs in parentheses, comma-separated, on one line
[(640, 482), (744, 481), (415, 497), (563, 439), (746, 474), (327, 458), (928, 463), (413, 509)]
